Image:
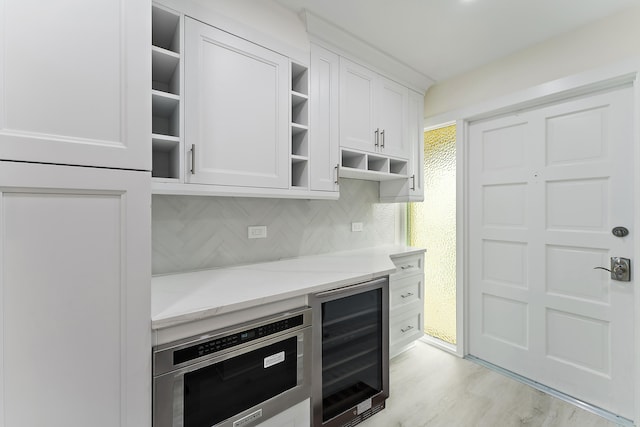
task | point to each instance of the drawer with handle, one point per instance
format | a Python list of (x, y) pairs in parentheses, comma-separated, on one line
[(408, 264), (406, 290), (405, 328)]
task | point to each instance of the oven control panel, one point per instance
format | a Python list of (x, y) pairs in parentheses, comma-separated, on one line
[(225, 342)]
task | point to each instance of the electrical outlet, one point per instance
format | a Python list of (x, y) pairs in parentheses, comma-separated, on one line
[(257, 232), (356, 226)]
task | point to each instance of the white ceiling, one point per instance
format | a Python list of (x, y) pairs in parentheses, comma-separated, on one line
[(443, 38)]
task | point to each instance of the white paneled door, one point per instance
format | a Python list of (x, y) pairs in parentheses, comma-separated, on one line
[(546, 188)]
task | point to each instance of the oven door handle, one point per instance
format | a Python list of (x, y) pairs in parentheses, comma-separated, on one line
[(351, 288)]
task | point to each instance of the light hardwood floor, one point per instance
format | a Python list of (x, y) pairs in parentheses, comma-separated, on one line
[(430, 387)]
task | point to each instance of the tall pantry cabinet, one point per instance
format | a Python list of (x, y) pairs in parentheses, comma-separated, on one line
[(75, 160)]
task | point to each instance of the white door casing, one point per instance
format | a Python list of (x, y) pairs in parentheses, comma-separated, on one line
[(546, 187)]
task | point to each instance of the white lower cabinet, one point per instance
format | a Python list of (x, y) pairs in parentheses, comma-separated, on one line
[(406, 302), (75, 327), (296, 416), (405, 328)]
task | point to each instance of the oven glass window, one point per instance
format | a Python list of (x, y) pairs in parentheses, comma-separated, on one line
[(351, 351), (217, 392)]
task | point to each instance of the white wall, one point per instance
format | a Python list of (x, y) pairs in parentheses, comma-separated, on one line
[(263, 15), (193, 233), (277, 27), (612, 39)]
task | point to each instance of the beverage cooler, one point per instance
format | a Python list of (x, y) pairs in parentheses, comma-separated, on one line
[(350, 378)]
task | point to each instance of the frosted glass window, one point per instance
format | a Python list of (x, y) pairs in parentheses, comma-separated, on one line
[(432, 225)]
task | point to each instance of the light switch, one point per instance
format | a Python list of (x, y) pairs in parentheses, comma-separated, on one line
[(257, 232), (356, 226)]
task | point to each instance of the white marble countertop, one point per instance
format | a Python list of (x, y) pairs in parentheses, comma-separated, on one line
[(184, 297)]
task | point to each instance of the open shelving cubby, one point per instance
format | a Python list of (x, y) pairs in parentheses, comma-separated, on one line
[(299, 148), (166, 93), (373, 167), (398, 167), (377, 164)]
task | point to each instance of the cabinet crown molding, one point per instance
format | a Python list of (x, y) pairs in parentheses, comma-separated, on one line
[(346, 44)]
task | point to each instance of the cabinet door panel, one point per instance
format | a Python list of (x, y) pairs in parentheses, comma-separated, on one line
[(357, 115), (412, 189), (236, 110), (416, 146), (324, 119), (75, 82), (74, 297), (393, 118)]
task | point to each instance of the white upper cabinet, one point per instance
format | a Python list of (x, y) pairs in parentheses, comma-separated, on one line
[(236, 110), (234, 117), (324, 119), (393, 118), (411, 189), (75, 82), (357, 109), (416, 145), (373, 112), (237, 113)]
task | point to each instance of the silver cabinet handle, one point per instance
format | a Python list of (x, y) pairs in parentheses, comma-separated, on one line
[(377, 135), (408, 328), (193, 159), (337, 168), (407, 295), (382, 138), (413, 186), (404, 267)]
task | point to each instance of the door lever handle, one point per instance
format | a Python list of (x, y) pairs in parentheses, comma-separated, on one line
[(620, 269)]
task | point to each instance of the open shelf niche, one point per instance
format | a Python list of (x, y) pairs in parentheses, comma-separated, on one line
[(372, 167), (299, 150), (166, 91)]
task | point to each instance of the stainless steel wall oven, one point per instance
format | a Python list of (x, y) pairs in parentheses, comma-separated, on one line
[(350, 379), (234, 377)]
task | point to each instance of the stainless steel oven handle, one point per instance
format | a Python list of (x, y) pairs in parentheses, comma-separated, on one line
[(351, 288)]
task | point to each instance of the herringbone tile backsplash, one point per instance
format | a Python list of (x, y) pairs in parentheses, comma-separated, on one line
[(192, 233)]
